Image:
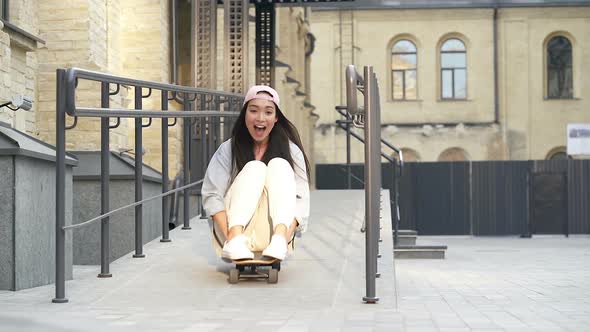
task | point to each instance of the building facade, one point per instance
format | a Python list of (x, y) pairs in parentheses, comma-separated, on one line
[(458, 81), (132, 39)]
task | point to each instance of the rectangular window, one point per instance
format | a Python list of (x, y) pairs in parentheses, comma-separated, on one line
[(460, 86), (453, 60), (404, 61), (447, 83), (404, 84), (559, 83), (398, 84), (411, 79)]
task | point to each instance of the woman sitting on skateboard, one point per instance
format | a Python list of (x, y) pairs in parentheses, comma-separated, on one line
[(260, 175)]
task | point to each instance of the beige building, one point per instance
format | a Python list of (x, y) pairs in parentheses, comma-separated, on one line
[(129, 38), (458, 81)]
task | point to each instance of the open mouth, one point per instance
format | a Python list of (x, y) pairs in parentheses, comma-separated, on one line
[(259, 129)]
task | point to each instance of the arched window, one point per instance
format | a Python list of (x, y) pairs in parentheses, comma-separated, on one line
[(559, 68), (559, 152), (410, 155), (453, 154), (403, 70), (453, 69)]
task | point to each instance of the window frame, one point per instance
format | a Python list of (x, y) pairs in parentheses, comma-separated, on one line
[(548, 69), (403, 71), (452, 70)]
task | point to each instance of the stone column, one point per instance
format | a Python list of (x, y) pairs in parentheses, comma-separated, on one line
[(236, 45), (204, 44), (265, 43)]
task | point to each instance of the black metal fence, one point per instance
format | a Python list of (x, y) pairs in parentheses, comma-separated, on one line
[(484, 197), (207, 117)]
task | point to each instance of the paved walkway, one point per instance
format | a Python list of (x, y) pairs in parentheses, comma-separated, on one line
[(484, 284), (498, 284), (182, 286)]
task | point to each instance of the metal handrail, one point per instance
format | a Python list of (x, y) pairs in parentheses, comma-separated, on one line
[(368, 118), (354, 82), (395, 199), (74, 74), (209, 100), (389, 145), (89, 221)]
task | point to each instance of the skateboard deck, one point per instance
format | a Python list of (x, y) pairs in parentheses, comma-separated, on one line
[(251, 269)]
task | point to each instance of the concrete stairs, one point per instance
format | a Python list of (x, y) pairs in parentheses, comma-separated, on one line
[(408, 249)]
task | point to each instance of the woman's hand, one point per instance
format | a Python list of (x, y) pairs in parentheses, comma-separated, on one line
[(220, 218)]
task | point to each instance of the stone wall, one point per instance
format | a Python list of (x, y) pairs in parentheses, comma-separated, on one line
[(79, 33), (146, 55), (18, 64)]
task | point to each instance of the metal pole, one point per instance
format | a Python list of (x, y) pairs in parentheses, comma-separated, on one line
[(138, 177), (203, 147), (104, 185), (186, 145), (217, 121), (376, 109), (60, 189), (372, 200), (396, 205), (165, 199), (348, 170)]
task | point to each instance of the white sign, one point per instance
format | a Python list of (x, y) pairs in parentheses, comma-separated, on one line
[(578, 139)]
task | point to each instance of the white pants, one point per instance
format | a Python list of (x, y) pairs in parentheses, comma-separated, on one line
[(256, 183)]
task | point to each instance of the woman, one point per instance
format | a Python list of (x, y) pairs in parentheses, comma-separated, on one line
[(260, 175)]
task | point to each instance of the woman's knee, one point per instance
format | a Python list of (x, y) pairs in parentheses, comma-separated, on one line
[(279, 170), (278, 163), (255, 166)]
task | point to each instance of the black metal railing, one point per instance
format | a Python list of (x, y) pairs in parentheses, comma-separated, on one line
[(396, 163), (202, 108), (368, 118)]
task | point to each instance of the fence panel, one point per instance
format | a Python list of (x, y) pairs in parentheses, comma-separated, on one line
[(442, 198), (579, 196), (499, 197), (578, 190), (477, 198)]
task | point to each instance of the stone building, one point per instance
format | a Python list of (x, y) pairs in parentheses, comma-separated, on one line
[(131, 38), (459, 80)]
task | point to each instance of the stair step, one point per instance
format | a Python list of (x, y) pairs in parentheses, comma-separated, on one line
[(406, 232), (406, 240), (420, 252)]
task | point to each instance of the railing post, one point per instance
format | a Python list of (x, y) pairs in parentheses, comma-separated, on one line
[(217, 131), (348, 170), (138, 176), (104, 185), (60, 188), (165, 171), (201, 149), (372, 184), (186, 158), (396, 206)]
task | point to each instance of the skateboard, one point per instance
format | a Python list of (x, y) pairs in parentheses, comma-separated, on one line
[(257, 268)]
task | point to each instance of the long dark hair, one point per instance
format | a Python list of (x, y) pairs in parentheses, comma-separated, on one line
[(242, 144)]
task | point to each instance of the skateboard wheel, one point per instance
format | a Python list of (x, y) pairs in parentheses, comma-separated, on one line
[(234, 275), (273, 276), (276, 266)]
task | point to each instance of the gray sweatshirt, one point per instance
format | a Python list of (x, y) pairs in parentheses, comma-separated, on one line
[(218, 177)]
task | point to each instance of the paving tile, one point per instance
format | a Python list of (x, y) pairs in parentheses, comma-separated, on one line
[(182, 286)]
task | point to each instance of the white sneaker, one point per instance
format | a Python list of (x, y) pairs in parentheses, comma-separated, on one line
[(236, 248), (277, 248)]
